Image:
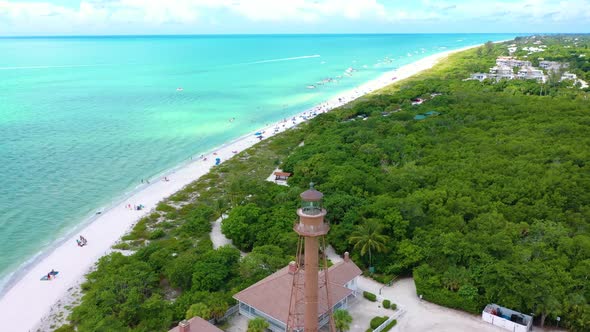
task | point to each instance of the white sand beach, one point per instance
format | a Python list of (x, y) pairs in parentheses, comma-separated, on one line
[(23, 305)]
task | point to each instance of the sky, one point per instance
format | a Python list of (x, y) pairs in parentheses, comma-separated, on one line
[(122, 17)]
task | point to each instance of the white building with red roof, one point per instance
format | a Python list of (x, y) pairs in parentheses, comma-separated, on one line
[(270, 297)]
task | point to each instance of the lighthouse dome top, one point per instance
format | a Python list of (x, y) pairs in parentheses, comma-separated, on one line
[(311, 195)]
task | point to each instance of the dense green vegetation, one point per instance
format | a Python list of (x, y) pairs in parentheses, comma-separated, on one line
[(486, 202)]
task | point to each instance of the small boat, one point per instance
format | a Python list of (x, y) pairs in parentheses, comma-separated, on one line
[(311, 86), (179, 89)]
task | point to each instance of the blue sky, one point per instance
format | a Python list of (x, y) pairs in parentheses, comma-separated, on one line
[(96, 17)]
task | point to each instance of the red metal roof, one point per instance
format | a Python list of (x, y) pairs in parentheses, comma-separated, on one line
[(198, 324), (311, 195), (272, 294)]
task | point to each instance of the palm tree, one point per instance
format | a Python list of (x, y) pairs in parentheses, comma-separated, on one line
[(342, 319), (198, 309), (368, 237), (257, 325), (220, 206)]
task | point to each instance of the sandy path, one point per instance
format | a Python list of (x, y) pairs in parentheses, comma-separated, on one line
[(423, 315), (24, 304)]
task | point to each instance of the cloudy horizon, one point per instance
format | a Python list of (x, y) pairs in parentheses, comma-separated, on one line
[(132, 17)]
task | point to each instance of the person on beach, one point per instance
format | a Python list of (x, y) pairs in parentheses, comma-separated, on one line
[(49, 276), (79, 243), (83, 239)]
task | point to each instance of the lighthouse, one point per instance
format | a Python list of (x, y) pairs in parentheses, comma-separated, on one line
[(308, 283)]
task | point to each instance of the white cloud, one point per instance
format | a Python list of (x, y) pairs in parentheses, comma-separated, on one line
[(187, 11), (104, 14), (296, 10), (532, 11)]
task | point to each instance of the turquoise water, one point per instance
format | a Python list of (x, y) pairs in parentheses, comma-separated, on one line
[(83, 119)]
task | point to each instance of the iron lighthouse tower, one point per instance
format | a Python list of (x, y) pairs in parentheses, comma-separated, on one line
[(310, 292)]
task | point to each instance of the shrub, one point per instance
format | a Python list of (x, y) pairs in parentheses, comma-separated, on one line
[(390, 325), (370, 296), (158, 233), (393, 306), (376, 321), (165, 207), (382, 278), (257, 325), (65, 328), (386, 304), (122, 246)]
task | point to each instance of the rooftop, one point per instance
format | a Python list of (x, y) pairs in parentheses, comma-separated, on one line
[(196, 324), (272, 294)]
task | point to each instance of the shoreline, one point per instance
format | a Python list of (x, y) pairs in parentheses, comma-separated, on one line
[(26, 300)]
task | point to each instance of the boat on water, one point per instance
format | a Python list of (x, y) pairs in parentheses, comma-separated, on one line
[(179, 89), (311, 86)]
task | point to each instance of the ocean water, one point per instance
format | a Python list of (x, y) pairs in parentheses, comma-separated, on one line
[(83, 119)]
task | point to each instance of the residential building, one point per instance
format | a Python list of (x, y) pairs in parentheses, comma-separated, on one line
[(508, 61), (568, 76), (530, 73), (552, 65), (195, 324), (479, 76), (501, 72), (270, 297)]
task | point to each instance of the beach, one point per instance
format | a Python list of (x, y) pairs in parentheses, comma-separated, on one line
[(29, 299)]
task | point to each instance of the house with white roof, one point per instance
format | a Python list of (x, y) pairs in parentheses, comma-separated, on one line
[(530, 73)]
